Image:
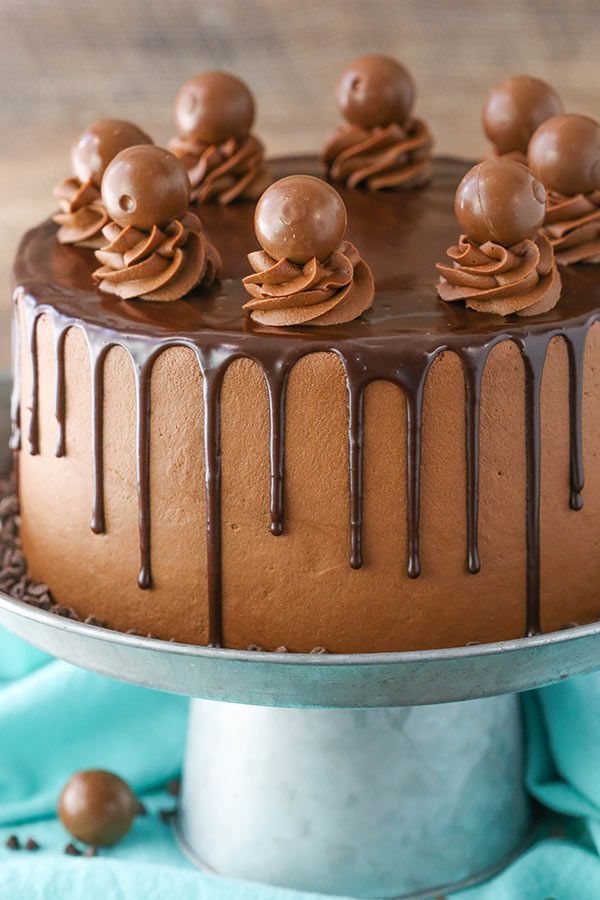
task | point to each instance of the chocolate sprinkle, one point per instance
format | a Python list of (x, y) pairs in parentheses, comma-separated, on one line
[(31, 844), (141, 810), (166, 816), (13, 843), (72, 850), (173, 786)]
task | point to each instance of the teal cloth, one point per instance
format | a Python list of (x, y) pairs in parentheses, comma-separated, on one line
[(55, 719)]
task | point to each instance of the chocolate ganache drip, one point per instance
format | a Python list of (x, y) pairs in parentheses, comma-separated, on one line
[(214, 114), (156, 249), (399, 343), (382, 146), (503, 264), (299, 278), (564, 154), (83, 216)]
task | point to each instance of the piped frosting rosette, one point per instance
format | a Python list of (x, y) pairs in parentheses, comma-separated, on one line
[(394, 157), (306, 273), (572, 225), (214, 113), (503, 263), (82, 215), (155, 248), (223, 173), (164, 264), (329, 293), (522, 279), (564, 153), (381, 146)]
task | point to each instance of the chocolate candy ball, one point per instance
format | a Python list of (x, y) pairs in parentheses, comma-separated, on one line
[(300, 217), (514, 108), (98, 145), (214, 107), (375, 91), (97, 807), (500, 201), (564, 153), (145, 186)]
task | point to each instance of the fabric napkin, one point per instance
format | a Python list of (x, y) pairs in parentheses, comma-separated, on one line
[(55, 719)]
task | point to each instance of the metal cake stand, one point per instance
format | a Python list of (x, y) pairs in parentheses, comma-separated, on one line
[(369, 775), (358, 775)]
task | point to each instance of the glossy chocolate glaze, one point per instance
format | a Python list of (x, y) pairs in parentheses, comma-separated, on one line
[(401, 236)]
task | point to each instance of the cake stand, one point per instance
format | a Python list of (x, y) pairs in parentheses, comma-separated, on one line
[(363, 788), (365, 775)]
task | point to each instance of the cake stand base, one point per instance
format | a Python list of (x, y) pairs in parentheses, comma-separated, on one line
[(334, 773), (363, 803)]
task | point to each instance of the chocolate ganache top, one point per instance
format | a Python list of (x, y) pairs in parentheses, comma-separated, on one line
[(402, 238)]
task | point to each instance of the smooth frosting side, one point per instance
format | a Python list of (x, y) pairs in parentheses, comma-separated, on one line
[(393, 158), (572, 225), (82, 216), (328, 293), (522, 279), (226, 172), (163, 264)]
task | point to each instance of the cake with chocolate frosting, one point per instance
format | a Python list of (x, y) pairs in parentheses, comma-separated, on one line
[(342, 418)]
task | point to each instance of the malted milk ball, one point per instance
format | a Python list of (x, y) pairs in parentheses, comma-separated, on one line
[(300, 217), (500, 201)]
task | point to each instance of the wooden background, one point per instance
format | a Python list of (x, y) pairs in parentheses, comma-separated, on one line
[(64, 63)]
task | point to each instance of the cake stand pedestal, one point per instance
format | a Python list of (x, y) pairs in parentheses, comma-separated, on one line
[(372, 775)]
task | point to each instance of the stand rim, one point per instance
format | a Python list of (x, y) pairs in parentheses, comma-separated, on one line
[(441, 654), (327, 681)]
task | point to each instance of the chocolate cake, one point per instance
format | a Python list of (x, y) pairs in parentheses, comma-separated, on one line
[(411, 479), (329, 420)]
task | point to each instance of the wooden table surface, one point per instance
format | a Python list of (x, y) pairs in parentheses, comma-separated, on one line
[(66, 63)]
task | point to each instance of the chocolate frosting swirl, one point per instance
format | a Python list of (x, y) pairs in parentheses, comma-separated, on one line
[(395, 158), (572, 225), (522, 279), (82, 216), (163, 264), (225, 172), (317, 293)]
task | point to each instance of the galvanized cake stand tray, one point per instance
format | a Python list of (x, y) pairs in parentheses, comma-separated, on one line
[(362, 775)]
